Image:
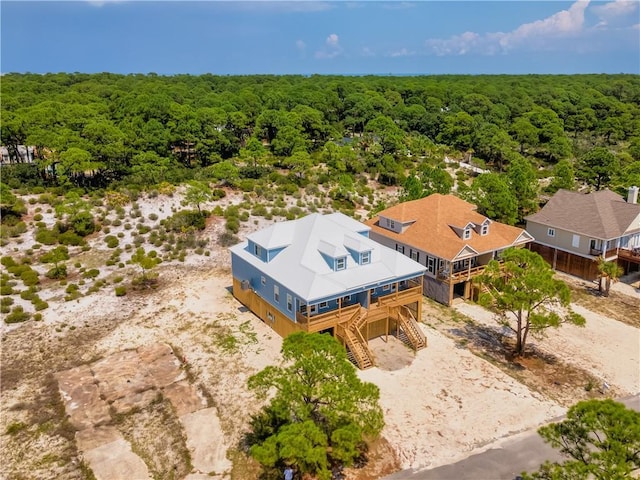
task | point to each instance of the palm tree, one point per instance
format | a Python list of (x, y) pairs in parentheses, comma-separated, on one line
[(610, 271)]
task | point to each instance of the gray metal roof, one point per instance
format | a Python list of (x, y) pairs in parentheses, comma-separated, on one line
[(301, 268), (602, 214)]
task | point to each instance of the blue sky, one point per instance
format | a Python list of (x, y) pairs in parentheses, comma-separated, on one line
[(306, 37)]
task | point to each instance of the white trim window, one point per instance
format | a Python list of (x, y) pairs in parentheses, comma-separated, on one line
[(484, 230), (289, 303), (467, 233), (323, 305), (386, 288), (366, 258), (415, 255), (276, 293), (551, 232), (575, 241), (263, 281), (257, 250), (341, 263)]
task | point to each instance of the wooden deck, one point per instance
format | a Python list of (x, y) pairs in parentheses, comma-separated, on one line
[(462, 275), (632, 256)]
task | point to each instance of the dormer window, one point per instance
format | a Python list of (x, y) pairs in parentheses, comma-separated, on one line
[(341, 263), (366, 258), (257, 250), (467, 233), (485, 229)]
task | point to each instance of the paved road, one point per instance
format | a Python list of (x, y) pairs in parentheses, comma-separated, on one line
[(526, 451)]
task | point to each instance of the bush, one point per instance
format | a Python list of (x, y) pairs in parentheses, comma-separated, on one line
[(184, 220), (6, 301), (17, 315), (153, 216), (37, 317), (71, 238), (47, 237), (30, 277), (40, 305), (37, 217), (111, 241), (233, 225), (18, 270), (82, 224), (93, 273), (8, 261), (227, 239), (57, 272), (121, 291), (6, 290)]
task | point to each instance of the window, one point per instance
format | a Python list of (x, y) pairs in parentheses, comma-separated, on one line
[(323, 304), (575, 241), (313, 309), (484, 230), (366, 258), (431, 265), (257, 250), (551, 232), (263, 281), (289, 302), (392, 224), (386, 288), (346, 299), (341, 263), (400, 248), (415, 255), (276, 293), (271, 317), (467, 233)]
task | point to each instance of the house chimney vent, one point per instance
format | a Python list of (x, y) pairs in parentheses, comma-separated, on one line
[(633, 195)]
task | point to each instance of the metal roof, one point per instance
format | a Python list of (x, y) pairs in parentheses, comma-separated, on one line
[(301, 268)]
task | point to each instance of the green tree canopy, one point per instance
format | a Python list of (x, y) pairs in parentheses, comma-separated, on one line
[(494, 198), (599, 438), (597, 167), (526, 296), (320, 410)]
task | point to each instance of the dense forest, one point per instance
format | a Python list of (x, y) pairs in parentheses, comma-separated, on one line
[(108, 131)]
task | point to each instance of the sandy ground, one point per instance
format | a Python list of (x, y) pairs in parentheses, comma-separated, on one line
[(440, 404), (608, 349)]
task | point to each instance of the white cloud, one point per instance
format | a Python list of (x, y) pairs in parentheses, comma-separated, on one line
[(616, 12), (403, 52), (540, 34), (332, 40), (367, 52), (332, 49), (300, 45)]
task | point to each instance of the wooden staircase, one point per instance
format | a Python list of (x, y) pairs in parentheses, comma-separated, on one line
[(410, 327), (358, 351)]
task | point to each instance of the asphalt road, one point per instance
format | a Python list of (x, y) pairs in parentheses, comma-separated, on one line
[(523, 452)]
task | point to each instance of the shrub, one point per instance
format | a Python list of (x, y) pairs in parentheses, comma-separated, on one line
[(6, 301), (37, 217), (30, 277), (17, 315), (40, 305), (8, 261), (233, 225), (111, 241), (57, 272), (6, 290), (71, 238), (121, 291), (47, 237), (37, 317), (184, 220), (82, 223), (93, 273), (227, 239), (153, 216), (18, 270)]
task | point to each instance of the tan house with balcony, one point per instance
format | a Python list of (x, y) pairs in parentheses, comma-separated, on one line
[(449, 237), (573, 230)]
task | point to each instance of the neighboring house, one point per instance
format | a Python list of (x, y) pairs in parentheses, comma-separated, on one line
[(17, 154), (323, 274), (449, 237), (574, 229)]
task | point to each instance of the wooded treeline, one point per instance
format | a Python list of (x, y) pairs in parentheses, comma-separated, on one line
[(101, 130)]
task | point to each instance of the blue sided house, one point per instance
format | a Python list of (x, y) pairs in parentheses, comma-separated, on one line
[(322, 273)]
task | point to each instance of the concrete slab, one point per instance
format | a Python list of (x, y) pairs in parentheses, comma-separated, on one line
[(91, 438), (116, 461), (81, 397), (133, 400), (120, 375), (184, 397), (206, 441)]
